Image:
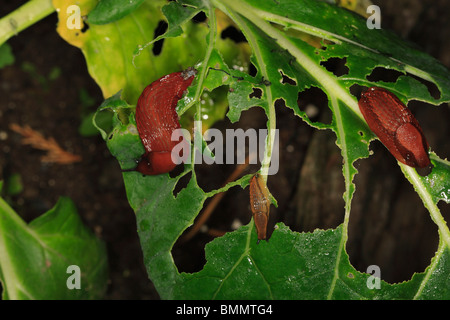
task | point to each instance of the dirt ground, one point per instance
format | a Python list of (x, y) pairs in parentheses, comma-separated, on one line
[(389, 225)]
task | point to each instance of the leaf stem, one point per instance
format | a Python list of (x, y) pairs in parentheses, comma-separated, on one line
[(413, 177), (203, 71), (23, 17), (349, 188), (233, 10), (330, 84), (431, 268)]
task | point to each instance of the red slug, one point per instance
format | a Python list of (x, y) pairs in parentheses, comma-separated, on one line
[(395, 126), (156, 119), (260, 205)]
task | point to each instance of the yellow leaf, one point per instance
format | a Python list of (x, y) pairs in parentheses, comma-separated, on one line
[(73, 36)]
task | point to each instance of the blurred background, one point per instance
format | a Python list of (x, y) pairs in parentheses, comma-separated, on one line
[(48, 88)]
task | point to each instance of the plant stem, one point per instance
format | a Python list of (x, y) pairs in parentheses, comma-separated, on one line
[(232, 10), (428, 201), (23, 17), (201, 78), (320, 74)]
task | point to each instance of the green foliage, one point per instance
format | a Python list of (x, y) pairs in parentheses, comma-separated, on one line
[(43, 80), (54, 256), (6, 55), (34, 257), (290, 38), (109, 49), (437, 183), (13, 185), (108, 11), (287, 38)]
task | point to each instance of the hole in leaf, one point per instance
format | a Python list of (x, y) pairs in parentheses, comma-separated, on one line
[(159, 30), (182, 183), (237, 139), (314, 102), (432, 88), (199, 17), (252, 70), (257, 93), (434, 123), (383, 74), (85, 27), (212, 176), (356, 90), (217, 217), (336, 65), (389, 75), (388, 221), (287, 80), (177, 171), (233, 209), (190, 256), (233, 34), (280, 103)]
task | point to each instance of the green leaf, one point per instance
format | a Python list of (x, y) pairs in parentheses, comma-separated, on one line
[(289, 40), (108, 11), (110, 49), (34, 257), (363, 49), (103, 123), (438, 181), (290, 266), (13, 185), (176, 16), (6, 55)]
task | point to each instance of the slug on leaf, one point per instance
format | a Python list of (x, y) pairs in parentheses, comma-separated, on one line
[(395, 126), (156, 119), (260, 205)]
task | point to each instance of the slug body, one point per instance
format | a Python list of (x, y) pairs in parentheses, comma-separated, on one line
[(395, 126), (260, 205), (156, 119)]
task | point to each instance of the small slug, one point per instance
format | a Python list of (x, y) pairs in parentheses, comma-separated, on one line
[(156, 119), (395, 126), (260, 205)]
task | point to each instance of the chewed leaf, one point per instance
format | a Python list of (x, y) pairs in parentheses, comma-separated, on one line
[(176, 16), (109, 48), (291, 265)]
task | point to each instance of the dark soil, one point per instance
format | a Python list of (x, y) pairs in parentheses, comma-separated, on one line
[(389, 226)]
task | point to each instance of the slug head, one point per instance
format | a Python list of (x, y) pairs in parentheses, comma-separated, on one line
[(154, 163)]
